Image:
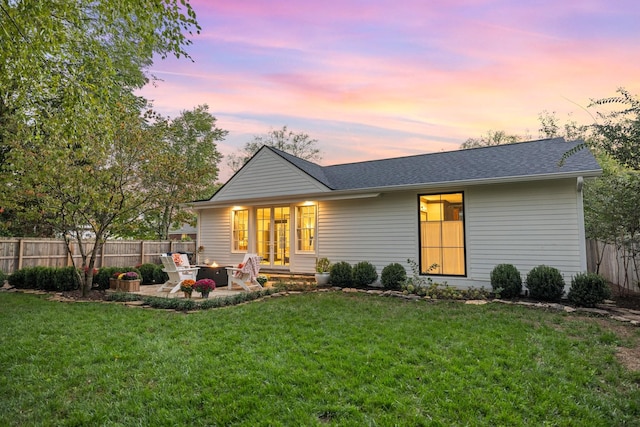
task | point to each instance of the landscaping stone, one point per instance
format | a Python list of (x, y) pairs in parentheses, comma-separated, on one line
[(134, 303), (599, 311), (475, 302)]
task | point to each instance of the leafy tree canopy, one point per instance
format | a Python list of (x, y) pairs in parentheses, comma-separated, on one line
[(298, 144), (75, 152), (186, 169), (491, 138)]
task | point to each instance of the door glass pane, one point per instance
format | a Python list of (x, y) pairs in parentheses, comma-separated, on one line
[(263, 230), (281, 237)]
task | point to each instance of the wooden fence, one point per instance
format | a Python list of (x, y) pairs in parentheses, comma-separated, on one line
[(612, 265), (29, 252)]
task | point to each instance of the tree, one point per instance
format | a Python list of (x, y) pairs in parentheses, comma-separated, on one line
[(612, 216), (550, 127), (618, 132), (491, 138), (186, 169), (298, 144), (73, 144)]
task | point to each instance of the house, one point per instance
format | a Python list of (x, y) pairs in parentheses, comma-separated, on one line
[(465, 211)]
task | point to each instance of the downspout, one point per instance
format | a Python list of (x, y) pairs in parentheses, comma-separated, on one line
[(582, 239)]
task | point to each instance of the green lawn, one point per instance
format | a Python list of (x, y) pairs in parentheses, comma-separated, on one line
[(310, 359)]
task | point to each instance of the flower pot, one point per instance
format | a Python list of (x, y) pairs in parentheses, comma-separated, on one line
[(322, 279), (205, 294), (113, 283), (129, 285), (187, 294)]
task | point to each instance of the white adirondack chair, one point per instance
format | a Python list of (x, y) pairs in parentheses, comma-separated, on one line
[(245, 276), (178, 269)]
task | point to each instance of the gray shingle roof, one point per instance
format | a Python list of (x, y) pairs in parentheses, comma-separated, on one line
[(525, 159)]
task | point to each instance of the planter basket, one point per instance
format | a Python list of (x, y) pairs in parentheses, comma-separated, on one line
[(128, 285)]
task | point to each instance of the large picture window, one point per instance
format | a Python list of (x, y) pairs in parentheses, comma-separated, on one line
[(442, 234), (305, 228), (240, 230)]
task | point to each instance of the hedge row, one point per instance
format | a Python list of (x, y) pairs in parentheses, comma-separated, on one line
[(66, 279), (546, 283)]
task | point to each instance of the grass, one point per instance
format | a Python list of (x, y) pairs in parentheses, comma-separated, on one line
[(309, 359)]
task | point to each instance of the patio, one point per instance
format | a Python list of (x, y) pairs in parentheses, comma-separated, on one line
[(152, 290)]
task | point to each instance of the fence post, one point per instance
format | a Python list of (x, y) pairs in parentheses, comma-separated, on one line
[(20, 249), (141, 252)]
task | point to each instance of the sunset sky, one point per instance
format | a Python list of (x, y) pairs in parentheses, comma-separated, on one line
[(381, 78)]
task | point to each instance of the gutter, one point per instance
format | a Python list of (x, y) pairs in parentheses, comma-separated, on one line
[(368, 192)]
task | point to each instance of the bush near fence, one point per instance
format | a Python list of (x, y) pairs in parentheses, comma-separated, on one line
[(17, 253)]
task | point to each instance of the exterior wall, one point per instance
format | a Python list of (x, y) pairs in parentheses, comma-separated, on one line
[(215, 235), (381, 230), (525, 224), (268, 175)]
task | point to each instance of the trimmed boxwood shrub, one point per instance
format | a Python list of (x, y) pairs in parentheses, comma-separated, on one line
[(45, 278), (545, 283), (17, 278), (364, 273), (159, 276), (101, 279), (66, 279), (393, 276), (506, 280), (147, 270), (588, 289), (341, 274)]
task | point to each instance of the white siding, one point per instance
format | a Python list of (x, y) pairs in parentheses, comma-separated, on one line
[(380, 230), (215, 236), (525, 225), (268, 175)]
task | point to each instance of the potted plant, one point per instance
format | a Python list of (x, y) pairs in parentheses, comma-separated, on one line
[(113, 280), (262, 279), (186, 286), (129, 281), (204, 286), (323, 265)]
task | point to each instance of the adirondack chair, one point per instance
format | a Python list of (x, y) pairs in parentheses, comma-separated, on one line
[(245, 275), (178, 269)]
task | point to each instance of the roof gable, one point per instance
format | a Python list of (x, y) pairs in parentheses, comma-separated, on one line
[(268, 174)]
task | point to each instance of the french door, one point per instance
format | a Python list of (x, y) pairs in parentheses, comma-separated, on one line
[(273, 236)]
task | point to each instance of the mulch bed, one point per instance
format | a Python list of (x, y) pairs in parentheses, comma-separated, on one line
[(625, 298)]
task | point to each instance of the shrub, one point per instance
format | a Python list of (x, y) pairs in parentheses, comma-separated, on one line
[(588, 289), (45, 278), (159, 276), (101, 279), (364, 273), (393, 276), (31, 277), (2, 277), (545, 283), (66, 279), (17, 279), (341, 274), (506, 280), (147, 271)]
